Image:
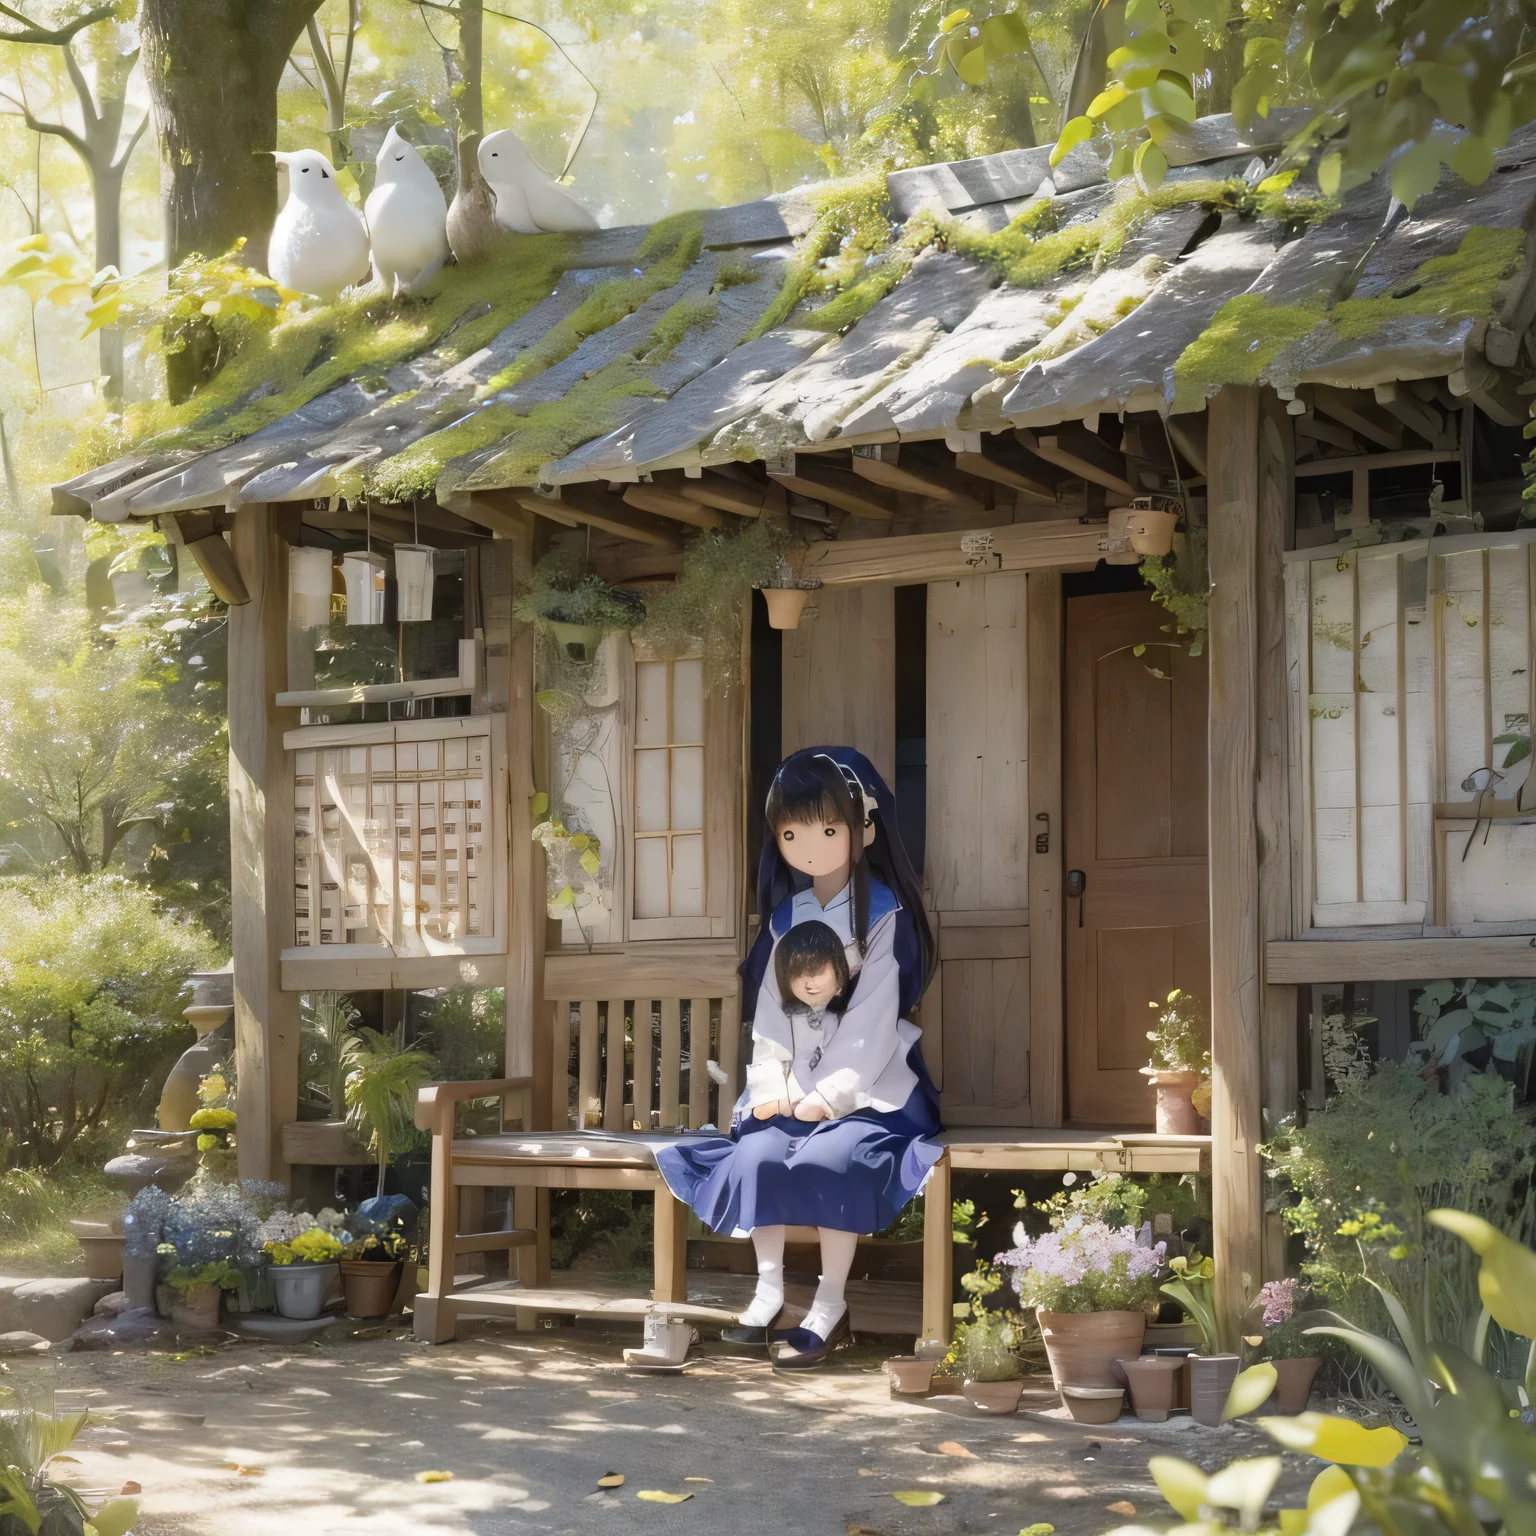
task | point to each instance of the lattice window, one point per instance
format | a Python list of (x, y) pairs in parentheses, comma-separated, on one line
[(670, 865)]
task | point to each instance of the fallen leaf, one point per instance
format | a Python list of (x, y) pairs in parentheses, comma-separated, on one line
[(698, 1479), (434, 1477), (658, 1496), (130, 1488), (919, 1498), (867, 1472), (1040, 1528), (864, 1530), (241, 1470), (1121, 1507), (72, 1460), (954, 1448), (611, 1480)]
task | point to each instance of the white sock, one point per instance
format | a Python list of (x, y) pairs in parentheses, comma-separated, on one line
[(768, 1299), (837, 1250)]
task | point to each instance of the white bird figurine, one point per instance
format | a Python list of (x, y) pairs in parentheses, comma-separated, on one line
[(407, 218), (527, 200), (319, 244)]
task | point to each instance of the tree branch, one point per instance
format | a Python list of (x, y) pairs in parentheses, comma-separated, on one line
[(58, 130), (52, 37), (82, 87), (132, 144)]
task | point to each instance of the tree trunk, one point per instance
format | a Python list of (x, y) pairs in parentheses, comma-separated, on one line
[(107, 199), (473, 233)]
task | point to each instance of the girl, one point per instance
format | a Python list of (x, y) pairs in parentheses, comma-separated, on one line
[(835, 1127)]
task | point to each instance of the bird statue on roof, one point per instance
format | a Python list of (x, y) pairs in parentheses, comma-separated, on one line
[(407, 218), (319, 244), (527, 200)]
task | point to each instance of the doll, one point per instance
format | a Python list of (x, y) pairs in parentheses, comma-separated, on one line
[(835, 1128)]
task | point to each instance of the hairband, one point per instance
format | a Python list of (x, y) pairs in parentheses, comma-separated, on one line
[(855, 785)]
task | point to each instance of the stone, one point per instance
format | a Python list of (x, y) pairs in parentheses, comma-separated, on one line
[(129, 1329), (22, 1342), (170, 1169), (112, 1305), (53, 1308)]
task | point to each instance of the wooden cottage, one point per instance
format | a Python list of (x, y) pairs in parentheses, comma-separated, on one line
[(1328, 789)]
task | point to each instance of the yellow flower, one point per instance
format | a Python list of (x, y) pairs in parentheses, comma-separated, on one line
[(213, 1120)]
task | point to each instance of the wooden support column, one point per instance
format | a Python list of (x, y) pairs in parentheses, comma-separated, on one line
[(1047, 999), (1236, 1078), (261, 842), (938, 1255), (1277, 1004)]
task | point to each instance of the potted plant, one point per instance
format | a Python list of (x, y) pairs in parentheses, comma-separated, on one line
[(574, 607), (303, 1268), (383, 1077), (786, 596), (214, 1121), (197, 1289), (1213, 1370), (1181, 1058), (1286, 1346), (142, 1222), (370, 1272), (1091, 1285), (985, 1348), (208, 1244)]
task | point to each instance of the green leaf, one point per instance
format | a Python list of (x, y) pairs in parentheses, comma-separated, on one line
[(1150, 165), (539, 804), (590, 862), (1335, 1439), (1415, 172), (1173, 97), (953, 20), (1180, 1482), (1005, 35), (115, 1517), (1277, 183), (918, 1498), (1263, 50), (1073, 133), (972, 66), (1244, 1486), (1330, 171), (1472, 159), (1506, 1279), (1105, 100), (1251, 1390)]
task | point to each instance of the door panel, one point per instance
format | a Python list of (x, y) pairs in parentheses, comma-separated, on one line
[(1135, 791), (986, 1041)]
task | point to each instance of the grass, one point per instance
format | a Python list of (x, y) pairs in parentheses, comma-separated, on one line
[(35, 1212)]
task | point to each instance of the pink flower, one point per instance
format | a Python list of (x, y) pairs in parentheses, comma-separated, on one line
[(1278, 1298)]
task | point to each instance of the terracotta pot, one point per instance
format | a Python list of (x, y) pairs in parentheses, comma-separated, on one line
[(1175, 1113), (1181, 1388), (911, 1375), (1084, 1346), (103, 1256), (1211, 1380), (369, 1287), (1293, 1389), (994, 1396), (1170, 1335), (1094, 1405), (1154, 1383), (1151, 530), (195, 1307), (785, 605), (301, 1289)]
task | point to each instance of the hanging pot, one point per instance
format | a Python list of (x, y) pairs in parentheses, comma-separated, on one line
[(1084, 1346), (1176, 1114), (364, 576), (1150, 530), (785, 605), (414, 570), (309, 587), (578, 641), (301, 1289)]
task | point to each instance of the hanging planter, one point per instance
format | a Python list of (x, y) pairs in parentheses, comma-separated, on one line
[(785, 605), (363, 572), (309, 587), (1151, 523), (578, 642), (415, 568)]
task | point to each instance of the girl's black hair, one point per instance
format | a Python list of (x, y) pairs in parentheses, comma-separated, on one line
[(806, 949), (819, 783)]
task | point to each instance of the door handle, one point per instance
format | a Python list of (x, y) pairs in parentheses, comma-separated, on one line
[(1077, 883)]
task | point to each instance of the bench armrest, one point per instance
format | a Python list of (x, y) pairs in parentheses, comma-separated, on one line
[(437, 1099)]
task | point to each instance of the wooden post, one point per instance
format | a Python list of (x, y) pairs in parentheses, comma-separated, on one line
[(938, 1256), (261, 843), (1047, 1000), (1273, 805), (671, 1245), (1236, 1080)]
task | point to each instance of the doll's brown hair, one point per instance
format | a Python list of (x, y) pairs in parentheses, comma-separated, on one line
[(805, 950)]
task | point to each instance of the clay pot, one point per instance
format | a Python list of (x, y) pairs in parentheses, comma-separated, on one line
[(103, 1255), (1211, 1380), (195, 1307), (1170, 1336), (301, 1289), (911, 1375), (785, 605), (1176, 1114), (1293, 1388), (994, 1396), (369, 1287), (1154, 1381), (1094, 1405), (1151, 530), (1084, 1346)]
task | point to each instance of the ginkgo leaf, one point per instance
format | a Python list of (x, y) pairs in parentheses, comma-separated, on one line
[(1072, 134), (434, 1477), (1506, 1279), (660, 1496), (539, 804), (953, 20), (1250, 1390), (972, 66), (115, 1518), (1180, 1482), (1244, 1486), (1329, 1484), (1151, 166), (1107, 99), (918, 1498), (1338, 1440), (1330, 171), (611, 1480), (1278, 182)]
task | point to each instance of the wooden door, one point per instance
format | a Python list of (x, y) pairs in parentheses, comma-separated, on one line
[(976, 1015), (1135, 793)]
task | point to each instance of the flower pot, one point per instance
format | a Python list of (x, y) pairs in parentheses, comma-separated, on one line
[(1169, 1335), (103, 1255), (911, 1374), (994, 1396), (414, 570), (1151, 530), (1175, 1113), (1094, 1405), (195, 1307), (1154, 1381), (785, 605), (301, 1289), (578, 641), (369, 1287), (363, 573), (1293, 1386), (1083, 1346), (1211, 1380), (139, 1278)]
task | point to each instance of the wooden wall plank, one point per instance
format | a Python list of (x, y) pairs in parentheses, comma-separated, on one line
[(645, 1060), (1303, 962), (1236, 1033), (699, 1054), (840, 675), (261, 842), (705, 967), (671, 1051), (730, 1048), (560, 1068), (614, 1073), (588, 1105), (1047, 1005)]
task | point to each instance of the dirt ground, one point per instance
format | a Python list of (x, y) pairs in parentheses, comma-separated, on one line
[(332, 1437)]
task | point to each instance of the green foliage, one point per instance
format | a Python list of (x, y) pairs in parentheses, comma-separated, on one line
[(560, 587), (326, 1020), (187, 1277), (382, 1080), (1181, 1039), (91, 974), (1456, 1018), (1181, 582), (35, 1213), (986, 1344), (466, 1032)]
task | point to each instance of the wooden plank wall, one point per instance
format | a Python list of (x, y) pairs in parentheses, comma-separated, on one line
[(1044, 841), (840, 674)]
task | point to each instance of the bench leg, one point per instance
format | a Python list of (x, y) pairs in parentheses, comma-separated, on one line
[(431, 1320), (938, 1256), (671, 1240), (530, 1262)]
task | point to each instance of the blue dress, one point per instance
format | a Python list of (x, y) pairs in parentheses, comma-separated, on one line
[(854, 1173)]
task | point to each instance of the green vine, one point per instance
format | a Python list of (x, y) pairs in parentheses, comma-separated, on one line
[(1181, 582)]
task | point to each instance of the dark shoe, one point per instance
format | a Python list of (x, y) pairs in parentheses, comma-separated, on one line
[(744, 1335), (801, 1350)]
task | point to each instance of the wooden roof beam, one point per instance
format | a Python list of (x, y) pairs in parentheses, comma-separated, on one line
[(1419, 416), (1309, 424), (1359, 412), (881, 464), (1083, 454), (1189, 438), (839, 488), (666, 503), (1003, 462), (585, 506)]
